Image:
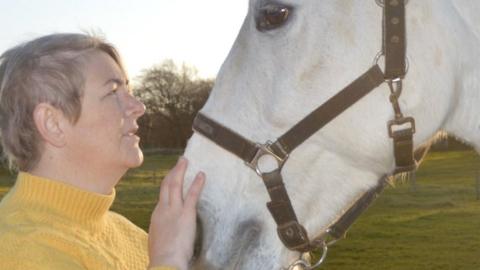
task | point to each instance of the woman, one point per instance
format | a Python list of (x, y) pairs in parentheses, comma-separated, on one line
[(68, 121)]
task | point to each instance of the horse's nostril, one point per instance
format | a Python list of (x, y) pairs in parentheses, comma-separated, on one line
[(197, 248), (249, 229)]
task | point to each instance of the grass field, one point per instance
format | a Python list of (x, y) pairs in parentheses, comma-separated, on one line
[(436, 226)]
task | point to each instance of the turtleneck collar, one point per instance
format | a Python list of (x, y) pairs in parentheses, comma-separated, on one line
[(42, 194)]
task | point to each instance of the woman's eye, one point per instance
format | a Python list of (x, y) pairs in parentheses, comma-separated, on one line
[(272, 16), (114, 88)]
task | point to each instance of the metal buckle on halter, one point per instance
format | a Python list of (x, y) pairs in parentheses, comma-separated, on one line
[(399, 122), (265, 150)]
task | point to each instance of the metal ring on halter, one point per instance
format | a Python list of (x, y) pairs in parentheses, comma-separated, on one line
[(380, 3), (304, 265), (380, 54), (265, 150), (377, 57)]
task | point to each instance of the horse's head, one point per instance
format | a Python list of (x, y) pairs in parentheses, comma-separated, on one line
[(290, 57)]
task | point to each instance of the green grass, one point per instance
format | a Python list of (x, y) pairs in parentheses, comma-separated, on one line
[(436, 226)]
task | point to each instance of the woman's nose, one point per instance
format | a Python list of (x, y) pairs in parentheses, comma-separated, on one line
[(135, 107)]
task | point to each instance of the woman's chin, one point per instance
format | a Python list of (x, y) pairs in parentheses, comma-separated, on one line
[(135, 159)]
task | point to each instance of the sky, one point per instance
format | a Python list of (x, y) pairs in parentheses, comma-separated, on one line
[(146, 32)]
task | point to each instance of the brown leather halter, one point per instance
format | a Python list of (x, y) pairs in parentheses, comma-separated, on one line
[(291, 232)]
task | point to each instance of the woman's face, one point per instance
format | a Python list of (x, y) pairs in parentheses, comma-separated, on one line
[(104, 135)]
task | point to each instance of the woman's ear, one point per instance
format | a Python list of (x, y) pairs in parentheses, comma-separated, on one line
[(50, 124)]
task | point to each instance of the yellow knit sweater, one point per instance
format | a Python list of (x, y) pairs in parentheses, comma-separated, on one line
[(46, 224)]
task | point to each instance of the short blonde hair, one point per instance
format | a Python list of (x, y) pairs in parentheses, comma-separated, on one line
[(47, 69)]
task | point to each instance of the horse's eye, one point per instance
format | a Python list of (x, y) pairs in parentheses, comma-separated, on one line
[(272, 16)]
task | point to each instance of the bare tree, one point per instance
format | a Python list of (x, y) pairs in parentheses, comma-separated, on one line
[(172, 95)]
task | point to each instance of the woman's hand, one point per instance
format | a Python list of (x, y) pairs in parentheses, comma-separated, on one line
[(173, 222)]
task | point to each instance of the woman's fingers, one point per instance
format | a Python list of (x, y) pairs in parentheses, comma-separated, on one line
[(165, 187), (163, 197), (171, 190), (175, 184), (194, 191), (172, 228)]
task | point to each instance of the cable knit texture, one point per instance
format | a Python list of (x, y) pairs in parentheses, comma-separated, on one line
[(47, 224)]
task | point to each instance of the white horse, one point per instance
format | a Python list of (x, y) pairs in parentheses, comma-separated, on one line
[(279, 71)]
